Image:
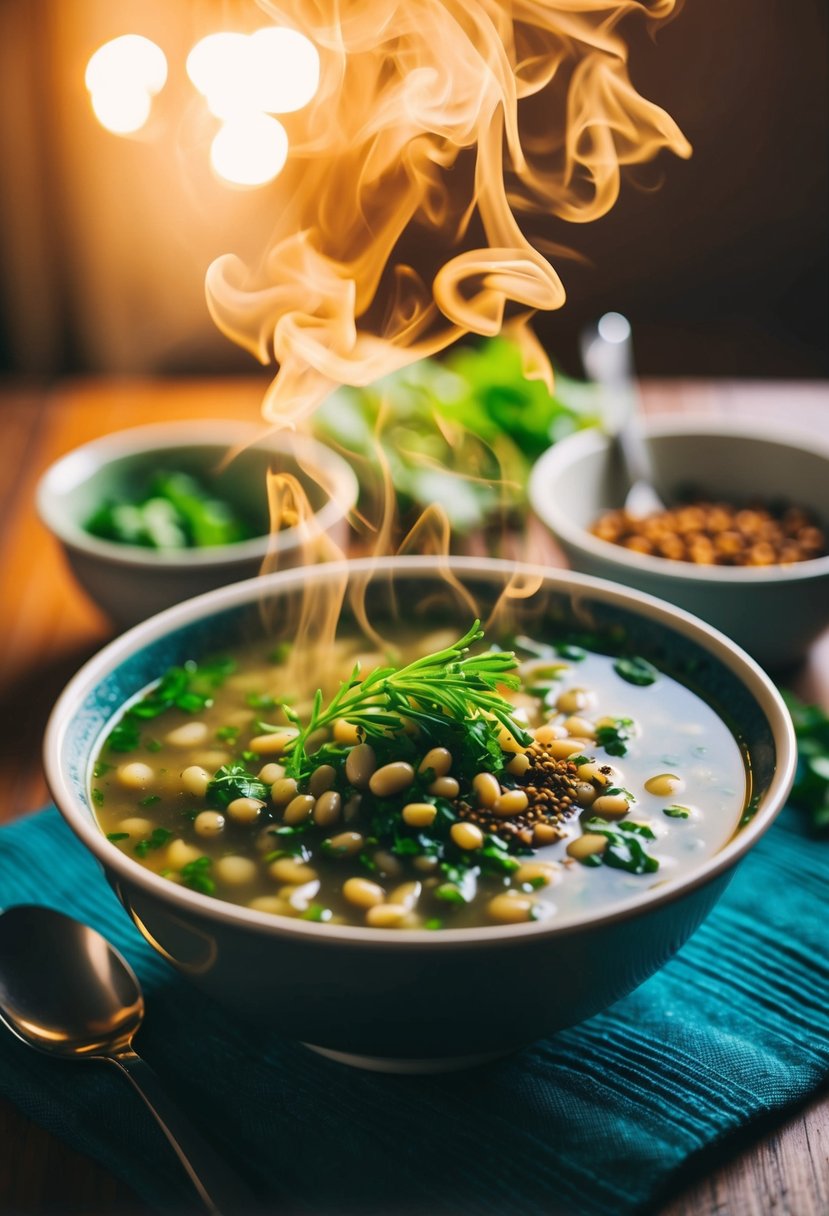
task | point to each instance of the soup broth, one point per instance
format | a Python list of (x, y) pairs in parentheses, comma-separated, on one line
[(613, 779)]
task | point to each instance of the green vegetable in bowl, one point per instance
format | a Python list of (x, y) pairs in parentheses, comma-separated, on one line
[(174, 511), (462, 431)]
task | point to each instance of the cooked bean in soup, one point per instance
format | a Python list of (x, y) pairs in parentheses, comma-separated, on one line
[(445, 786)]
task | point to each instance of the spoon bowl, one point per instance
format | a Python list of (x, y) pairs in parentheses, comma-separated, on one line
[(63, 988), (65, 991)]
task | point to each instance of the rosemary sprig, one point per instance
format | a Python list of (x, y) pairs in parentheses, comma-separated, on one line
[(451, 682)]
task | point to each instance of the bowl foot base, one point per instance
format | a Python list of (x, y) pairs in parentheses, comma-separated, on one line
[(405, 1065)]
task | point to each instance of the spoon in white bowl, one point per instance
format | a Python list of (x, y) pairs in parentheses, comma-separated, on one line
[(65, 991), (607, 354)]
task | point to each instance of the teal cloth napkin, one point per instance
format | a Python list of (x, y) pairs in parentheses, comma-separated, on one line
[(599, 1119)]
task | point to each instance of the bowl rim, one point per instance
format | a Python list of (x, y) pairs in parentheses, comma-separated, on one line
[(593, 439), (81, 820), (220, 433)]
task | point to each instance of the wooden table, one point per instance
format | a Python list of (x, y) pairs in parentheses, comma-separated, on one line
[(48, 628)]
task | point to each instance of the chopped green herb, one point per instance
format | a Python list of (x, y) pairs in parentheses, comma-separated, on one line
[(150, 800), (124, 737), (494, 858), (574, 653), (676, 812), (614, 737), (281, 652), (624, 849), (156, 840), (153, 745), (580, 759), (115, 836), (620, 789), (97, 796), (448, 893), (228, 734), (101, 769), (196, 876), (233, 781), (433, 923), (636, 670), (316, 912)]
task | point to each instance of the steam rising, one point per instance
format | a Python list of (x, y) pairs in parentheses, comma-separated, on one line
[(437, 123)]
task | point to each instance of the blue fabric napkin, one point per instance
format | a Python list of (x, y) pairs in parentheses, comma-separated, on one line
[(596, 1120)]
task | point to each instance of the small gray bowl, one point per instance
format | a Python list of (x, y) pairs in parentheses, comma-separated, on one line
[(418, 1001), (130, 582), (773, 612)]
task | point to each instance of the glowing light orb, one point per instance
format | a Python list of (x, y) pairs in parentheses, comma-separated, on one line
[(123, 111), (272, 71), (284, 70), (214, 57), (250, 150), (122, 77), (128, 60)]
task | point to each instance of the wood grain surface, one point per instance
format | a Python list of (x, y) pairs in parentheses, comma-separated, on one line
[(48, 628)]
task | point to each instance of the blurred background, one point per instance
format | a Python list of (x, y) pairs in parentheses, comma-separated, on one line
[(720, 262)]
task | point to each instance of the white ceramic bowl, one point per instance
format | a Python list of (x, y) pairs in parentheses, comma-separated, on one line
[(773, 612), (131, 582), (415, 1000)]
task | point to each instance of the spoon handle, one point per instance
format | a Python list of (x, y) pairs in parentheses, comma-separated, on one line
[(220, 1191)]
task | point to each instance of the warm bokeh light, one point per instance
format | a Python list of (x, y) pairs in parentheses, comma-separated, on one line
[(130, 60), (122, 77), (284, 69), (249, 150), (216, 66), (273, 71), (123, 111)]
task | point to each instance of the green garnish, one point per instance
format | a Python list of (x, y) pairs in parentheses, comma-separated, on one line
[(233, 781), (171, 511), (97, 796), (188, 688), (261, 700), (676, 812), (620, 789), (195, 875), (448, 893), (624, 850), (811, 788), (156, 840), (574, 653), (450, 691), (114, 836), (316, 912), (614, 736), (636, 671), (150, 800), (228, 734), (433, 923), (101, 768)]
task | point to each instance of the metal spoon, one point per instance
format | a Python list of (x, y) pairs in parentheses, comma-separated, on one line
[(607, 354), (65, 991)]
